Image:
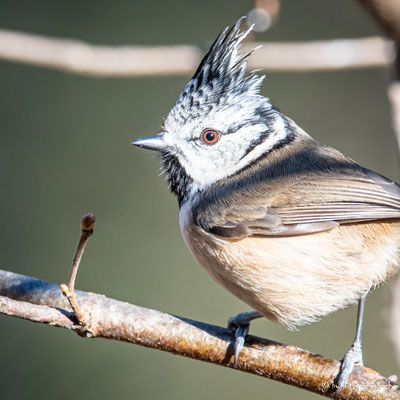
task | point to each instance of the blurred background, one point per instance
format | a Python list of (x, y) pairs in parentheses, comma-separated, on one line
[(65, 151)]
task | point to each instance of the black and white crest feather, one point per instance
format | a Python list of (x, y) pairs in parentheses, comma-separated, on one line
[(220, 76)]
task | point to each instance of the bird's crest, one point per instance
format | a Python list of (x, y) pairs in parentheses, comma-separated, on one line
[(220, 76)]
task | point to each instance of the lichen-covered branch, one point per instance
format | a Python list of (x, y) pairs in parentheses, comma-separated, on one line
[(39, 301), (78, 57)]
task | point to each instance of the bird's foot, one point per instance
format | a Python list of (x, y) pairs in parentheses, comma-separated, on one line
[(241, 325), (352, 357)]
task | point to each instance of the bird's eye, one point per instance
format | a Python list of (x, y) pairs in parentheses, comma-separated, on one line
[(210, 136)]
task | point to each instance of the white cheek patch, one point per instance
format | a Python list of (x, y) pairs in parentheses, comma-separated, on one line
[(203, 170)]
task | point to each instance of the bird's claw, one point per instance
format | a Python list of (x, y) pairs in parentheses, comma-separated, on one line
[(240, 325), (241, 330), (352, 357)]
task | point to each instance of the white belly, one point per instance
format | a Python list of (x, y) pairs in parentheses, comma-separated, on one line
[(295, 280)]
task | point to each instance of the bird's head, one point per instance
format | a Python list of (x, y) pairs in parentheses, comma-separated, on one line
[(220, 123)]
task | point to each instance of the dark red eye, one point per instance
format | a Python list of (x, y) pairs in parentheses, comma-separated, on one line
[(210, 136)]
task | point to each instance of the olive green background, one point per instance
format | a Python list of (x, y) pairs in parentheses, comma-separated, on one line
[(65, 150)]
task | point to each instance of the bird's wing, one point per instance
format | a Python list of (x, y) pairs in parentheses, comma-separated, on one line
[(289, 204), (343, 198)]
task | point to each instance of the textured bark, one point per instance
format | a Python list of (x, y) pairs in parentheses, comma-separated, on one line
[(39, 301)]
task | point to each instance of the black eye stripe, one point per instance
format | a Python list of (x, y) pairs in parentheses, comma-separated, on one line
[(254, 143), (260, 115), (235, 128)]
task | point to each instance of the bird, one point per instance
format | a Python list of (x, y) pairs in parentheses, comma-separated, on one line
[(292, 227)]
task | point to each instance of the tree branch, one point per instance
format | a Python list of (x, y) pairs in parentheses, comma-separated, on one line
[(103, 61), (40, 301)]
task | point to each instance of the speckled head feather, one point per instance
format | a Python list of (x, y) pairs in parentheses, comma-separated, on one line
[(220, 76)]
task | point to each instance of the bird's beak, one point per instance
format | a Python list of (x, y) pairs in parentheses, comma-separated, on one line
[(151, 143)]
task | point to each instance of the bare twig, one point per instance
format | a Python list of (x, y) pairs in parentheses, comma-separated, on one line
[(41, 301), (81, 58), (87, 224)]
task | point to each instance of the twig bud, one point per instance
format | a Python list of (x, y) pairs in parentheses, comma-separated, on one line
[(88, 221)]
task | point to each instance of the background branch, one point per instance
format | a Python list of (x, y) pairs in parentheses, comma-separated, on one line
[(387, 14), (43, 302), (81, 58)]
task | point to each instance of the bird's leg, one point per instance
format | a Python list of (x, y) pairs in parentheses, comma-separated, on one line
[(241, 325), (354, 354)]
